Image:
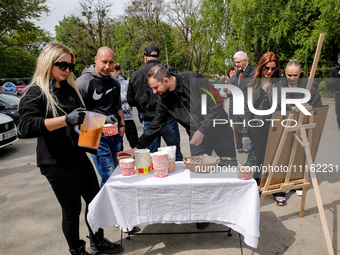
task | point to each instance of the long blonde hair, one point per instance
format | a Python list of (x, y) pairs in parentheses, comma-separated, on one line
[(51, 53)]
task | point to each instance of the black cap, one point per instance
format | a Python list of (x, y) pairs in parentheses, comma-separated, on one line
[(151, 51)]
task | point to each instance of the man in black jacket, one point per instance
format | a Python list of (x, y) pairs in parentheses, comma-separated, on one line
[(244, 75), (140, 95), (180, 96), (335, 83)]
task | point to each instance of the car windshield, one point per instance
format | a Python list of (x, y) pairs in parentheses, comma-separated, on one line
[(10, 99)]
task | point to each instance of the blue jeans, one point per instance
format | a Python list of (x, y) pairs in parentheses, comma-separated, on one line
[(170, 134), (223, 145), (106, 159)]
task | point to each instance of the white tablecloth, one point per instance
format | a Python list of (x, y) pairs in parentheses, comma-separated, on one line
[(179, 198)]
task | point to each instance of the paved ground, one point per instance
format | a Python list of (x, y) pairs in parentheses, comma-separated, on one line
[(30, 215)]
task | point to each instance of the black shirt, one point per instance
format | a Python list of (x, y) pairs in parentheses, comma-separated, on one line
[(184, 104)]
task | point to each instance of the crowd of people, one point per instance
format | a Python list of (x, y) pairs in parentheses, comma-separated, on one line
[(55, 102)]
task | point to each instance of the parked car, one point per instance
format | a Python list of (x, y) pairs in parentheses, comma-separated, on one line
[(8, 131), (9, 105), (14, 86)]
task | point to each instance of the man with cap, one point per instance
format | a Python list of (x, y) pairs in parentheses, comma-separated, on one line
[(141, 96)]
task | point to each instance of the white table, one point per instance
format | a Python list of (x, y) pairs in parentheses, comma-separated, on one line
[(179, 198)]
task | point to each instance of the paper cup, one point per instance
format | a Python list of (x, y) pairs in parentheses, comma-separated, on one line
[(110, 129), (171, 150), (142, 161), (127, 166), (160, 164), (245, 173)]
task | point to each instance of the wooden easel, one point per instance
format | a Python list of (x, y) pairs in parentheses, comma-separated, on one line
[(303, 133)]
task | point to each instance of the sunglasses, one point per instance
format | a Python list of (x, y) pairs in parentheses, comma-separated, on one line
[(63, 65), (267, 68)]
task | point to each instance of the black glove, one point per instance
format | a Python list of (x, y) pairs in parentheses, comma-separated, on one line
[(111, 119), (76, 117)]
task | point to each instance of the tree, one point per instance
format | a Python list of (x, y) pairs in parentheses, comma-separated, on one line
[(212, 25), (184, 14), (20, 39)]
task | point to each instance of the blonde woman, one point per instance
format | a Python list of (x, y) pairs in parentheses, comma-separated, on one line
[(49, 108)]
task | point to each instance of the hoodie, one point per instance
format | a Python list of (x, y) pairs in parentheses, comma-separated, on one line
[(100, 93), (128, 112)]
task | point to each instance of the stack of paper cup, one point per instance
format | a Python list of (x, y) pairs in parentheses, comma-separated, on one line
[(142, 161), (127, 166), (171, 150), (160, 164)]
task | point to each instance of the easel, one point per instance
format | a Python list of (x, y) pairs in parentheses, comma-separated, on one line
[(302, 133)]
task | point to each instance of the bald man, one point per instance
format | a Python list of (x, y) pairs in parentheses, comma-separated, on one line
[(101, 94)]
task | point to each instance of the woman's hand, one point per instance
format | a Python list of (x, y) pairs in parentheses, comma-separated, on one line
[(76, 117)]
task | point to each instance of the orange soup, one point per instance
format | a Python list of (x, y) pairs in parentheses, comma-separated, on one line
[(90, 138)]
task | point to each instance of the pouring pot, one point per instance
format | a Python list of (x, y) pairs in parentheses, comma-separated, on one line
[(91, 130)]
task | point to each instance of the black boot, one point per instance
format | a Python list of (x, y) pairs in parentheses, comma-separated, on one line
[(81, 250), (101, 245)]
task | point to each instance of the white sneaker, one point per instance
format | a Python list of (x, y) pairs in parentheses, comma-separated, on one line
[(298, 192)]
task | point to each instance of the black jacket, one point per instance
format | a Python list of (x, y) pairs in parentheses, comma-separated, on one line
[(335, 78), (315, 100), (56, 147), (140, 94), (247, 77), (184, 105), (259, 100), (100, 93)]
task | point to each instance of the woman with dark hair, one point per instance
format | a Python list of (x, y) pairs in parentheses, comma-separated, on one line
[(231, 72), (49, 109), (266, 76)]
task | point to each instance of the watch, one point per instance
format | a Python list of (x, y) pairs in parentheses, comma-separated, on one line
[(123, 126)]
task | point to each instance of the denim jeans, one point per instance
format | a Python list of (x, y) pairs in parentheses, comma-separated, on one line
[(170, 134), (223, 145), (106, 159)]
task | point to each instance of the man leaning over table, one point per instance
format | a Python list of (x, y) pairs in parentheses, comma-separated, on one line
[(179, 96)]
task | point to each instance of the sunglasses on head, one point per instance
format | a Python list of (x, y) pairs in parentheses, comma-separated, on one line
[(267, 68), (63, 65)]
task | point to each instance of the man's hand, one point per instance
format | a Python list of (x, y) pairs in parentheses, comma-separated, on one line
[(121, 131), (130, 152), (76, 117), (111, 119), (197, 138)]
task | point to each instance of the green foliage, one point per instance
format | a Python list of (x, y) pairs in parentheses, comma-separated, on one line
[(20, 39), (194, 34), (325, 90), (289, 28)]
